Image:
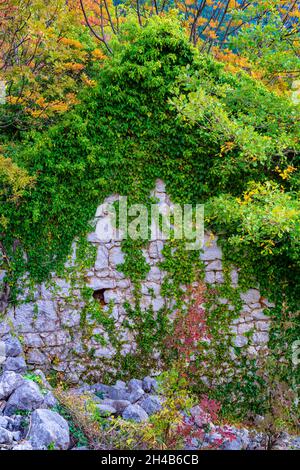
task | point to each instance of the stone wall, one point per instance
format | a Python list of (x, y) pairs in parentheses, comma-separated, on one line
[(60, 333)]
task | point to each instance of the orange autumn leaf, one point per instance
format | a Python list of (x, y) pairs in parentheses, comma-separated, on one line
[(73, 67), (98, 54)]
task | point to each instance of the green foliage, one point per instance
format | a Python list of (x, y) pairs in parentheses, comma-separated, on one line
[(134, 266), (127, 131), (76, 432), (266, 218), (35, 378), (278, 46), (257, 132)]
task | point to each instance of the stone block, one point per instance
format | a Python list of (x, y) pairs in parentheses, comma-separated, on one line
[(102, 258), (252, 296), (214, 266), (96, 284), (210, 277), (260, 338), (240, 341), (116, 256)]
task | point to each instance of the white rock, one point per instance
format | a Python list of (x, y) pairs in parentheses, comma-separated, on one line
[(23, 446), (120, 384), (13, 347), (233, 329), (252, 351), (112, 198), (93, 238), (16, 364), (58, 338), (134, 384), (219, 277), (116, 256), (151, 404), (112, 295), (160, 186), (6, 437), (4, 420), (210, 277), (101, 273), (70, 317), (267, 303), (244, 328), (260, 338), (34, 356), (22, 317), (254, 306), (105, 229), (263, 325), (49, 400), (33, 340), (135, 413), (153, 251), (2, 275), (240, 341), (149, 384), (160, 246), (234, 275), (102, 258), (211, 253), (105, 410), (119, 405), (104, 352), (64, 287), (46, 317), (258, 314), (150, 287), (9, 382), (223, 301), (145, 302), (95, 283), (252, 296), (123, 283), (158, 303), (162, 202), (27, 397), (214, 266), (4, 326)]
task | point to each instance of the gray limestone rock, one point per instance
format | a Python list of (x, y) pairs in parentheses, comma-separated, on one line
[(9, 382), (48, 428), (13, 347), (149, 384), (134, 384), (105, 409), (25, 445), (6, 437), (151, 404), (26, 397), (252, 296), (135, 413), (15, 364)]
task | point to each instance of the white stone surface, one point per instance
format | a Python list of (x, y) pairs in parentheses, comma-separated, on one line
[(102, 258)]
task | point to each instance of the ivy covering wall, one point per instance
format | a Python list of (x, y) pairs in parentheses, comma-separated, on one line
[(160, 109)]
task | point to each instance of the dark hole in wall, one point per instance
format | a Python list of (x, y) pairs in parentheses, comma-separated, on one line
[(99, 295)]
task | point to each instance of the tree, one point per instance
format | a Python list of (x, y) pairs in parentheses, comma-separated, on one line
[(261, 37), (46, 54)]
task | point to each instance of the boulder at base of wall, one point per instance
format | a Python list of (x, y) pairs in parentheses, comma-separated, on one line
[(48, 430)]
